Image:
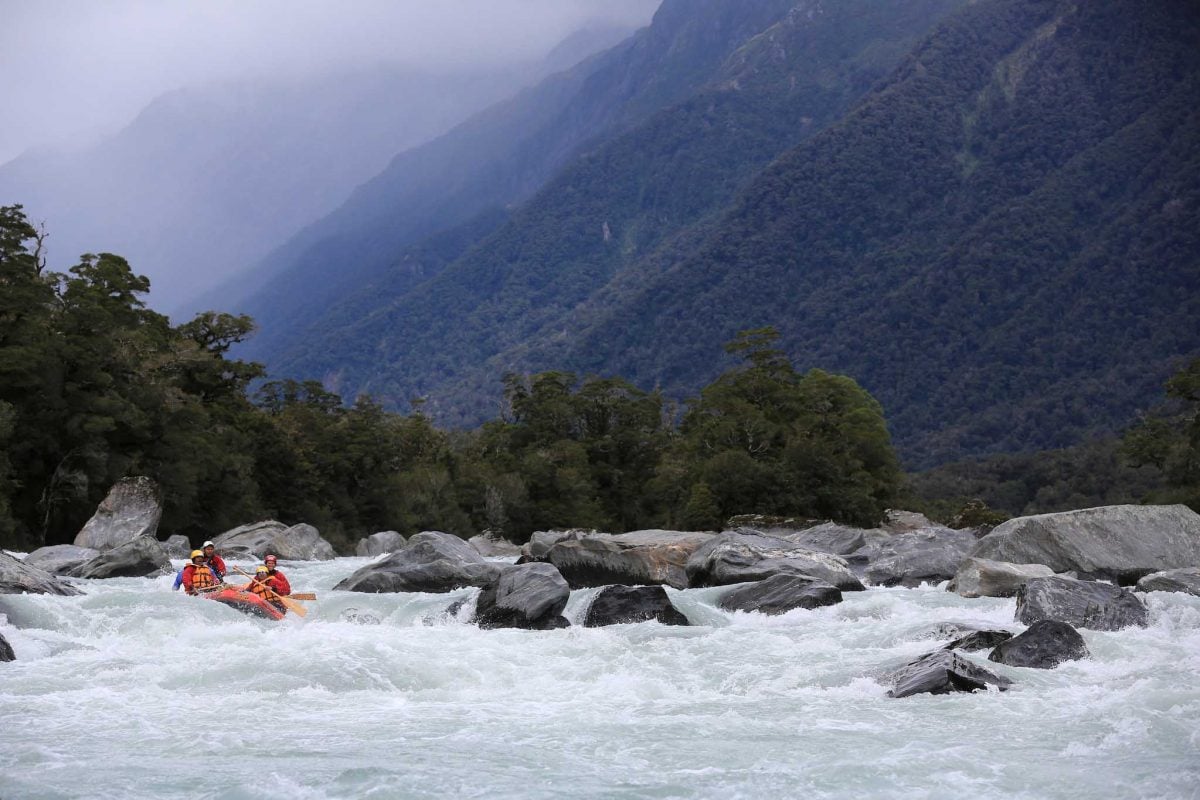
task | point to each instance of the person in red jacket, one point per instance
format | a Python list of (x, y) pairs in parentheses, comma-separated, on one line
[(215, 562), (261, 586), (276, 579), (198, 577)]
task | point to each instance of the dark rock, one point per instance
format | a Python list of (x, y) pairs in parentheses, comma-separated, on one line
[(379, 543), (981, 577), (298, 543), (1118, 543), (144, 557), (732, 557), (432, 561), (17, 577), (942, 672), (1045, 645), (979, 640), (177, 546), (780, 594), (529, 596), (618, 605), (540, 542), (1172, 580), (633, 559), (1084, 604), (930, 555), (494, 546), (357, 617), (830, 537), (945, 630), (60, 559), (6, 651), (131, 510)]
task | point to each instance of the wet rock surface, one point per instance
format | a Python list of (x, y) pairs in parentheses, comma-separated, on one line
[(979, 640), (132, 509), (144, 557), (529, 596), (6, 651), (379, 543), (494, 546), (981, 577), (733, 557), (620, 605), (1045, 645), (1083, 604), (780, 594), (942, 672), (929, 555), (296, 543), (60, 559), (431, 561), (651, 557), (17, 577), (1185, 580)]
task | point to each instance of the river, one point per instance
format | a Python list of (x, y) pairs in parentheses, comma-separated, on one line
[(135, 691)]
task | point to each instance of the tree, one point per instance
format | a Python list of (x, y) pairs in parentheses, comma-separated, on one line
[(1170, 439)]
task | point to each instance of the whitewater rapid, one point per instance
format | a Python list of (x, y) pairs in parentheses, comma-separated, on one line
[(135, 691)]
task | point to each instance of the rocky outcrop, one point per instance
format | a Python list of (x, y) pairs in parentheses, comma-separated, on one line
[(633, 559), (732, 557), (981, 577), (298, 543), (17, 577), (830, 537), (780, 594), (528, 596), (177, 546), (619, 605), (929, 555), (979, 640), (494, 546), (431, 561), (60, 559), (143, 557), (1172, 580), (1045, 645), (900, 521), (6, 651), (942, 672), (379, 543), (131, 510), (540, 542), (1118, 543), (1083, 604)]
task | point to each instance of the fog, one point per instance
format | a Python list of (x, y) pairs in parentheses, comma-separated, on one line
[(76, 70)]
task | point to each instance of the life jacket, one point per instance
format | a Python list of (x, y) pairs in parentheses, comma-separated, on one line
[(202, 577), (264, 591)]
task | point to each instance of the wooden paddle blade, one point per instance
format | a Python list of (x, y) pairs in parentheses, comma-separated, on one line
[(303, 595), (292, 605)]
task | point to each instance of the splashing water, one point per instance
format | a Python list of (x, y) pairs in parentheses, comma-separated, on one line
[(136, 691)]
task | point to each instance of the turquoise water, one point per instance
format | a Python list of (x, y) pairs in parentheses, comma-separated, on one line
[(137, 691)]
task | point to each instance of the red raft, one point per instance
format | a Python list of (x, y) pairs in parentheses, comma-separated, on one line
[(246, 602)]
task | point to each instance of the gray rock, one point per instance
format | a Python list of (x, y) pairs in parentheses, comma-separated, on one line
[(1118, 543), (432, 561), (298, 543), (1172, 580), (494, 546), (945, 630), (732, 557), (541, 541), (528, 596), (830, 537), (177, 546), (6, 651), (898, 521), (17, 577), (621, 605), (60, 559), (143, 557), (379, 543), (981, 577), (1084, 604), (779, 594), (929, 555), (942, 672), (131, 510), (634, 559), (1045, 645), (979, 640)]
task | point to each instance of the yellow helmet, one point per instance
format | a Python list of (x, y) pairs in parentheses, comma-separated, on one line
[(261, 571), (196, 553)]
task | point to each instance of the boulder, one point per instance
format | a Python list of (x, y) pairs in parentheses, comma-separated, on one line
[(733, 557), (60, 559), (177, 546), (1172, 580), (619, 605), (1117, 543), (298, 543), (942, 672), (143, 557), (779, 594), (541, 541), (945, 630), (6, 651), (431, 561), (529, 596), (830, 537), (898, 521), (979, 640), (490, 546), (1045, 645), (1084, 604), (379, 543), (929, 555), (131, 510), (981, 577), (17, 577), (633, 559)]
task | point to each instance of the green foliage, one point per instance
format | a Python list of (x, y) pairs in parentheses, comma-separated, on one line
[(1169, 441)]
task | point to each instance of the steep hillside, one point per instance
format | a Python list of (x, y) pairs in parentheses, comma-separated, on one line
[(612, 204)]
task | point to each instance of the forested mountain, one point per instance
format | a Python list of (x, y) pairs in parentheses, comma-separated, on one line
[(999, 241)]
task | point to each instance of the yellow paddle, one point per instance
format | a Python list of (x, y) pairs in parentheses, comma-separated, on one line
[(303, 595), (290, 604)]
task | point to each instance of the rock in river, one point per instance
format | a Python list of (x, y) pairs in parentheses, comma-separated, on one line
[(1171, 580), (981, 577), (6, 651), (298, 543), (379, 543), (779, 594), (942, 672), (490, 546), (1045, 645), (740, 557), (633, 559), (529, 596), (143, 557), (60, 559), (432, 561), (929, 555), (618, 605), (1084, 604), (17, 577), (132, 509)]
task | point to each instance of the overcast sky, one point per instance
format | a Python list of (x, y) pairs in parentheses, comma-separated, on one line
[(75, 69)]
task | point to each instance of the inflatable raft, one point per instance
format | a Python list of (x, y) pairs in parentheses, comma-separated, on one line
[(246, 602)]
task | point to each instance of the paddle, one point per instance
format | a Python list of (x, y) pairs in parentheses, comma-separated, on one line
[(303, 595), (290, 604)]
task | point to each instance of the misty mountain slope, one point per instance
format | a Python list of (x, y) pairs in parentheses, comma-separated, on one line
[(613, 203), (205, 181), (495, 160), (1000, 243)]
